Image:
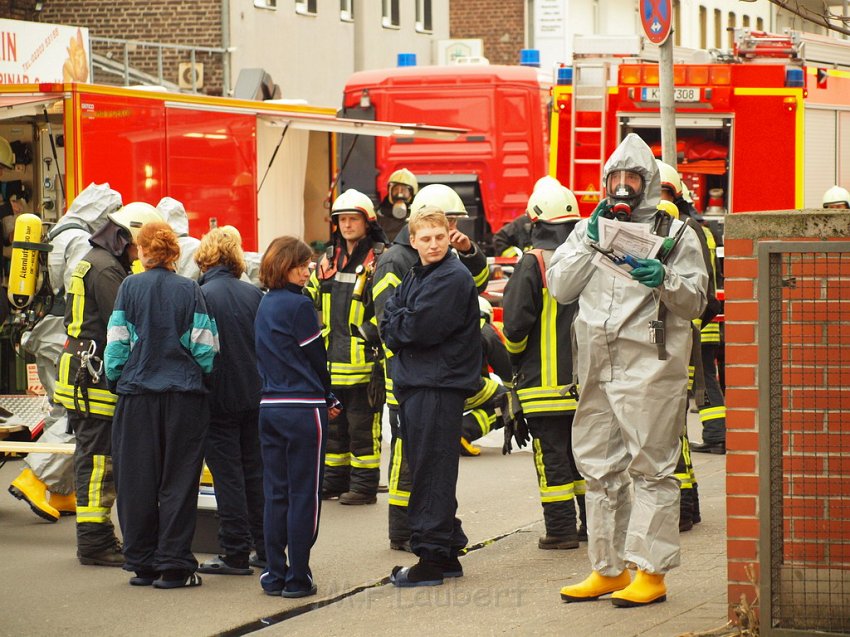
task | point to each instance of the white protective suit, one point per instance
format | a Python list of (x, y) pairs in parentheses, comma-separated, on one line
[(70, 241), (628, 421), (174, 214)]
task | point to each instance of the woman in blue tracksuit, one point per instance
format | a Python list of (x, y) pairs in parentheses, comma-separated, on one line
[(296, 400), (160, 344)]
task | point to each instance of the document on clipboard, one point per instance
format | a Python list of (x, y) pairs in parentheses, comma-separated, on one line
[(620, 244)]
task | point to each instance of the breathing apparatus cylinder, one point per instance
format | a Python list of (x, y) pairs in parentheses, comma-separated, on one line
[(26, 245)]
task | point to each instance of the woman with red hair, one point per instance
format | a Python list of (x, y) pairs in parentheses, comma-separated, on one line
[(161, 343)]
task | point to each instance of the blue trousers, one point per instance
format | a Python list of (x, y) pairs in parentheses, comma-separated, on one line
[(430, 428), (292, 441)]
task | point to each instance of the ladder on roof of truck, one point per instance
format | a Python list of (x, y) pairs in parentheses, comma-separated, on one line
[(802, 48), (590, 95)]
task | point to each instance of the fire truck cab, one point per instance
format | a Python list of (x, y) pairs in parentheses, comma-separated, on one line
[(493, 167), (764, 127)]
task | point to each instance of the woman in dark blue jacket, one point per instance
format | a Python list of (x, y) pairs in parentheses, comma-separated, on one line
[(233, 441), (296, 395), (160, 344)]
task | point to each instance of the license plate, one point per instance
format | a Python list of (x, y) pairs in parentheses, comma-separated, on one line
[(680, 94)]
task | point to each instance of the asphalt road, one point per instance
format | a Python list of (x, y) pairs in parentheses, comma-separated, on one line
[(510, 585)]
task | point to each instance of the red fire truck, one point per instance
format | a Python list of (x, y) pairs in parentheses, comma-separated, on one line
[(766, 127), (493, 167), (263, 167)]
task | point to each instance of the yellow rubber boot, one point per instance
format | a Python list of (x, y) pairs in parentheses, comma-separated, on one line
[(467, 448), (647, 588), (65, 504), (595, 586), (33, 491)]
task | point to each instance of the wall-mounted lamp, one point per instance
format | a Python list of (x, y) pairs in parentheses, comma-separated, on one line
[(38, 6), (365, 100)]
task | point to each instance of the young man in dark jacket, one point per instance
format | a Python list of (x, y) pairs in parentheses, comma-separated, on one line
[(431, 326)]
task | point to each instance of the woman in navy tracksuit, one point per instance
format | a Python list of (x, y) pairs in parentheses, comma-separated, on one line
[(296, 398)]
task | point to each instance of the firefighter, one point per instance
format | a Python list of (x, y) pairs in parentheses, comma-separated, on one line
[(392, 267), (174, 214), (514, 238), (836, 197), (341, 289), (69, 239), (633, 351), (480, 416), (538, 336), (394, 210), (82, 388)]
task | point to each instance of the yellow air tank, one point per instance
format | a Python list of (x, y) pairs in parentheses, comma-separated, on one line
[(23, 271)]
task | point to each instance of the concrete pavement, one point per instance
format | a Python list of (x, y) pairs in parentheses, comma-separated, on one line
[(510, 585)]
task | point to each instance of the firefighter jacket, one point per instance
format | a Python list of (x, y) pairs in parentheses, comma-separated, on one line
[(160, 336), (394, 264), (495, 355), (332, 288), (235, 382), (516, 234), (431, 325), (538, 330), (91, 296)]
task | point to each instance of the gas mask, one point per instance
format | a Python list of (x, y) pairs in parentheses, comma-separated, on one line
[(399, 209), (401, 196), (625, 190)]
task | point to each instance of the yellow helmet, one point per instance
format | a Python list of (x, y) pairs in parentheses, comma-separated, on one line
[(442, 197), (552, 203), (133, 216), (406, 178), (354, 201), (670, 208), (670, 177), (7, 156), (836, 195)]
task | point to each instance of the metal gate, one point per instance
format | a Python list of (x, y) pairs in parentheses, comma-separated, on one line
[(804, 450)]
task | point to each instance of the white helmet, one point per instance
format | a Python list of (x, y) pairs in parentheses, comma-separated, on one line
[(354, 201), (546, 179), (836, 195), (133, 216), (670, 177), (485, 308), (552, 203), (406, 178), (442, 197)]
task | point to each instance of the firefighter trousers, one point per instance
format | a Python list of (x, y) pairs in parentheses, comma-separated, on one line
[(556, 472), (399, 483), (353, 459), (158, 450), (94, 482), (713, 413), (233, 456), (689, 511), (430, 427), (292, 439)]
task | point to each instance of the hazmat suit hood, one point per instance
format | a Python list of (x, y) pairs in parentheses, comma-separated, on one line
[(174, 214), (91, 206), (633, 154)]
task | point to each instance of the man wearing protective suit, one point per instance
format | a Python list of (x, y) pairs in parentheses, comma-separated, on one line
[(174, 214), (70, 241), (632, 381)]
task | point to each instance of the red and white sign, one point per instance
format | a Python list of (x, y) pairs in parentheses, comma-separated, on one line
[(35, 52), (656, 16)]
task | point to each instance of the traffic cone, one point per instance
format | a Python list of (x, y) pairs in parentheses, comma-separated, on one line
[(647, 588), (595, 586), (33, 491)]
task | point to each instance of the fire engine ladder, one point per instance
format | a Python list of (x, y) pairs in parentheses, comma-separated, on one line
[(590, 95)]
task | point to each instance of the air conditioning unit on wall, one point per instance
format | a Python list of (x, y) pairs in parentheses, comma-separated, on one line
[(185, 73), (448, 51)]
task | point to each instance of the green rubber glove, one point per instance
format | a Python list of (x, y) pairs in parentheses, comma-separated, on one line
[(650, 272), (593, 225)]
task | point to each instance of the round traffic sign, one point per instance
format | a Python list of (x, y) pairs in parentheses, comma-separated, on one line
[(656, 16)]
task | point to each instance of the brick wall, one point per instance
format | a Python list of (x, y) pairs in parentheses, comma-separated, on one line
[(815, 363), (499, 23), (184, 22)]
